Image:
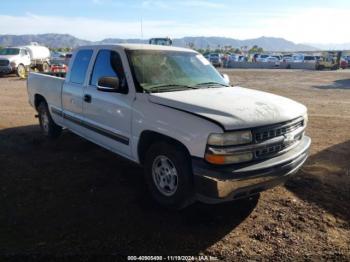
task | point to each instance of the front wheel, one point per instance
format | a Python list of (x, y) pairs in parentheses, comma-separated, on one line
[(47, 125), (168, 175), (21, 71)]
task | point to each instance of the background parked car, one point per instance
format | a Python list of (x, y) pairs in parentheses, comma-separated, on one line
[(237, 58), (57, 57), (262, 57), (215, 59), (272, 59), (310, 59), (67, 58), (279, 57), (298, 58), (287, 58), (344, 64)]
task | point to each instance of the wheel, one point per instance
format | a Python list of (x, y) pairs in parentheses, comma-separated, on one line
[(21, 71), (47, 125), (46, 67), (168, 175), (320, 67)]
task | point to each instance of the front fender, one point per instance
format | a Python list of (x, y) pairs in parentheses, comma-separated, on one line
[(190, 130)]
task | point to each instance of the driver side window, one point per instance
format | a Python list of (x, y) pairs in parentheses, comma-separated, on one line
[(108, 63)]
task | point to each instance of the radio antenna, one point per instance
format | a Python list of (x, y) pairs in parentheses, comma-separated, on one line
[(141, 29), (142, 42)]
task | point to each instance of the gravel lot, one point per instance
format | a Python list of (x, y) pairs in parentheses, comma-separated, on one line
[(70, 198)]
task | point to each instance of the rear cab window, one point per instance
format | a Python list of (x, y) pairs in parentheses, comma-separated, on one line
[(309, 58), (80, 66)]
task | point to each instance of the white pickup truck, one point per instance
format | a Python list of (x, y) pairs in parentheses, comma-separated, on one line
[(169, 110)]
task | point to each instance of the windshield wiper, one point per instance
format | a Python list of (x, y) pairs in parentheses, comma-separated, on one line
[(210, 84), (169, 87)]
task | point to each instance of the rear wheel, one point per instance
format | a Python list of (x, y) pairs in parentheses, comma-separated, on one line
[(46, 67), (168, 175), (47, 125), (21, 71)]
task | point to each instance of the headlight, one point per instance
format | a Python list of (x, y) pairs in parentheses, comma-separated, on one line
[(230, 139), (306, 119), (223, 157)]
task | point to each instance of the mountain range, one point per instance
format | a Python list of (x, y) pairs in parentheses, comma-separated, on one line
[(343, 46), (65, 40)]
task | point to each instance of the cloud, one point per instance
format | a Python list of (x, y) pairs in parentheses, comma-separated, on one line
[(313, 25), (85, 28), (155, 4), (323, 25), (202, 3)]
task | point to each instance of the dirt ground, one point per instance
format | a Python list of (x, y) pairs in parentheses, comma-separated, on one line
[(71, 199)]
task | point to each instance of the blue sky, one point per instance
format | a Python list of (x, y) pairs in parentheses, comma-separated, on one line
[(308, 21)]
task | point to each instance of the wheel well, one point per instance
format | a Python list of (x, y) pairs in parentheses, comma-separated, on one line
[(38, 99), (148, 138)]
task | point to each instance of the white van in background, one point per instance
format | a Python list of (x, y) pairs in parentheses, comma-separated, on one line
[(301, 58)]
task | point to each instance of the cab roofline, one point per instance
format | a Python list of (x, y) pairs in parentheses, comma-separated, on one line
[(139, 47)]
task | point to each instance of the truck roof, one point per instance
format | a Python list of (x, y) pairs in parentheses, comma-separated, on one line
[(139, 47)]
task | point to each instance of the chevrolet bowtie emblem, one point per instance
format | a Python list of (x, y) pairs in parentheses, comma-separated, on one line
[(288, 137)]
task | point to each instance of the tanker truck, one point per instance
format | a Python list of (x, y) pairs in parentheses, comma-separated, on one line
[(21, 59)]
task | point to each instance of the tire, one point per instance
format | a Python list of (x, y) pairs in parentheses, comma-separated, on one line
[(320, 67), (46, 67), (21, 71), (161, 160), (47, 125)]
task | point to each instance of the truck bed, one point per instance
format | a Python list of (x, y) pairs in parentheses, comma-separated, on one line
[(46, 85), (57, 74)]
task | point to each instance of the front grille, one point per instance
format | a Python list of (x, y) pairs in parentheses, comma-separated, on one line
[(269, 132), (265, 133), (4, 62), (273, 149), (268, 141)]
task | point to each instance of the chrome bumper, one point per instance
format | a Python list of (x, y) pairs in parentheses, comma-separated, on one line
[(217, 184)]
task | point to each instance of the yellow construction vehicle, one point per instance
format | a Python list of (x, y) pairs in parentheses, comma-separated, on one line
[(329, 60)]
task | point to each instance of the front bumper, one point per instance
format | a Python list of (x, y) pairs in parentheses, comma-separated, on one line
[(6, 69), (223, 183), (215, 63)]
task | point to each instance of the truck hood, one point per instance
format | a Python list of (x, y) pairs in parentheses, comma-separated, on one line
[(9, 57), (232, 107)]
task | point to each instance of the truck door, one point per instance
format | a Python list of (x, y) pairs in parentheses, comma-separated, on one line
[(108, 112), (25, 57), (72, 92)]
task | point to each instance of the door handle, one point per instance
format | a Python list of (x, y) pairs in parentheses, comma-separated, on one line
[(87, 98)]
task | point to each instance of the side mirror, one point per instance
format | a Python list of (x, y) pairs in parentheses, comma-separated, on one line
[(226, 78), (108, 84)]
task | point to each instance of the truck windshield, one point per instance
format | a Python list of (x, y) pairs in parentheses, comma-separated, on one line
[(9, 51), (162, 71)]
